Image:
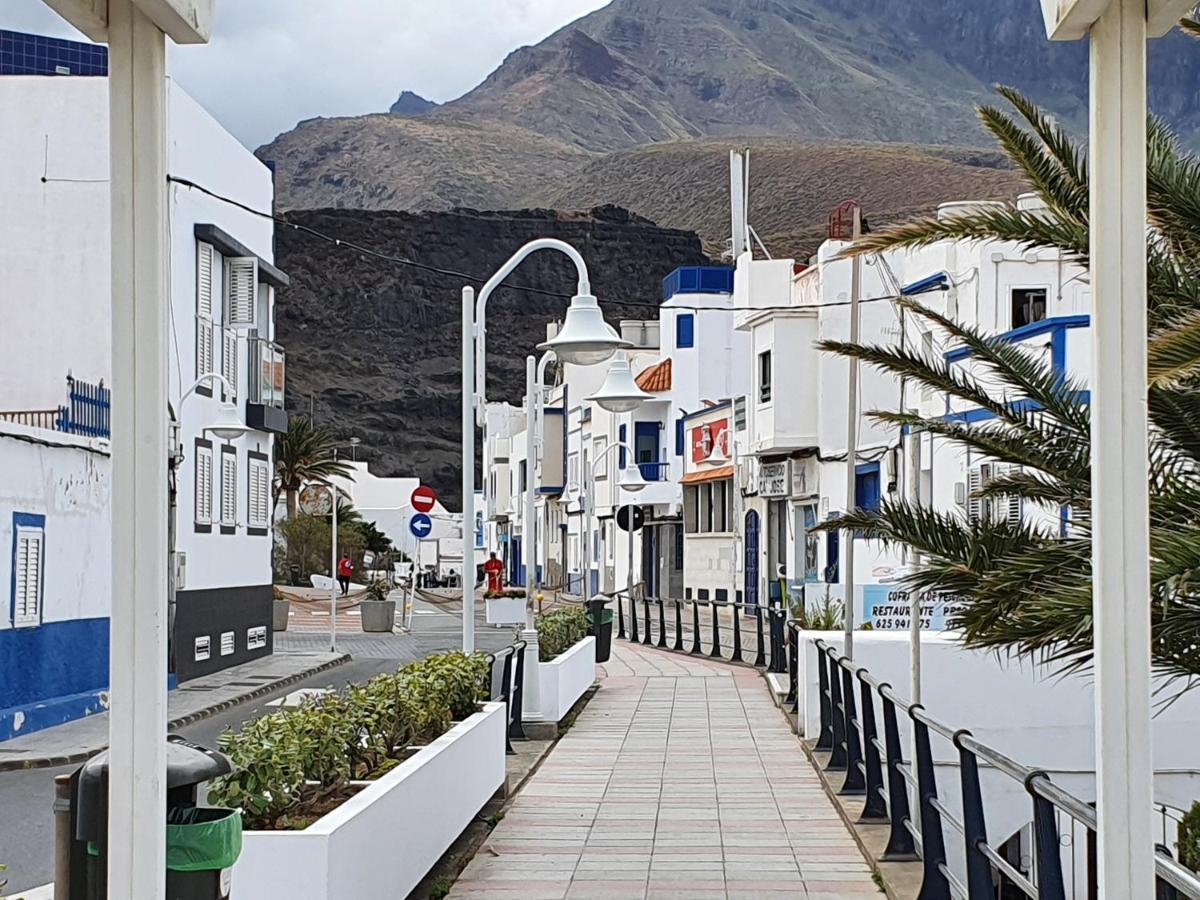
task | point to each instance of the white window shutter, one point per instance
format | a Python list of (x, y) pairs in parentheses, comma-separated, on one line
[(974, 503), (27, 576), (204, 464), (204, 280), (258, 489), (241, 292), (229, 360), (228, 489), (1012, 503)]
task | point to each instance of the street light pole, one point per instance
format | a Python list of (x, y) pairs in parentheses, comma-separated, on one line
[(333, 561), (852, 437)]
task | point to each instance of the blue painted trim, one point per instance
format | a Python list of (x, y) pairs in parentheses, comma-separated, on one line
[(21, 720), (26, 520), (698, 280), (550, 489), (971, 416), (1052, 326), (554, 411), (685, 331), (55, 659), (939, 281), (700, 412)]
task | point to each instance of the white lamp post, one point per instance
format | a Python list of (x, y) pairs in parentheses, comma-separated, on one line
[(1120, 495), (585, 339), (631, 481), (136, 32)]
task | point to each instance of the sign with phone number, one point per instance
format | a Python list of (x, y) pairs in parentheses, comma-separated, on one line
[(889, 608)]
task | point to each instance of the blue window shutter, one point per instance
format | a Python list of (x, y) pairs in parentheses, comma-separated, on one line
[(684, 331), (679, 430), (621, 432)]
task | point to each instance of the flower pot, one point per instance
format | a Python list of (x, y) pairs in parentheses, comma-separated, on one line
[(506, 610), (279, 614), (378, 615)]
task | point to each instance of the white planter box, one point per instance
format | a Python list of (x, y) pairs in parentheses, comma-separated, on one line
[(564, 679), (381, 842), (506, 610)]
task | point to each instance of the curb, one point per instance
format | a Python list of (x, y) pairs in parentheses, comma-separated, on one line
[(51, 762)]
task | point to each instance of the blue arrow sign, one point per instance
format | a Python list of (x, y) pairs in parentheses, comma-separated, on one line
[(420, 525)]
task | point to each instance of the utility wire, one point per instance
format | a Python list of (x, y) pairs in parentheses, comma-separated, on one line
[(465, 276)]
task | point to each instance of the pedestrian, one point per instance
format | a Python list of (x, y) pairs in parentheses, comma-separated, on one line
[(345, 570), (494, 569)]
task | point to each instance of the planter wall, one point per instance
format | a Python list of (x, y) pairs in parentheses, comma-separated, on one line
[(378, 615), (565, 678), (381, 842)]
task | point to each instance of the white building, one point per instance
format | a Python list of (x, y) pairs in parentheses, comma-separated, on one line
[(54, 251)]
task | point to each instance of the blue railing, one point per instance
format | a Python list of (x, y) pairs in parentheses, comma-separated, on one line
[(860, 729), (654, 471), (698, 280), (89, 410)]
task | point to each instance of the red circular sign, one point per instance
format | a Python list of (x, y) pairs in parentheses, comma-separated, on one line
[(423, 499)]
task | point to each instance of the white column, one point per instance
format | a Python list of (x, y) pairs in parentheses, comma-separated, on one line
[(1120, 502), (852, 439), (532, 699), (468, 468), (333, 562), (138, 638)]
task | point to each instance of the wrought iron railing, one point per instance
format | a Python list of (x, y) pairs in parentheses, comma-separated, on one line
[(508, 684), (267, 372), (654, 471), (873, 761), (34, 418), (712, 628)]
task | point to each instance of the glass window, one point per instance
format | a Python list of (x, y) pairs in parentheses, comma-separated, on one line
[(764, 377), (1028, 306), (685, 326)]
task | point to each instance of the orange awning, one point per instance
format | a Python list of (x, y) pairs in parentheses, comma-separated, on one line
[(707, 475)]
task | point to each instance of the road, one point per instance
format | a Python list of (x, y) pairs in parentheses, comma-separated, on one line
[(27, 797)]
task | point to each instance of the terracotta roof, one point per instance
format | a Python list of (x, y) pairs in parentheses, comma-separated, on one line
[(707, 475), (657, 378)]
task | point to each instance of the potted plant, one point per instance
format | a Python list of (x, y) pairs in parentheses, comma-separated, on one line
[(566, 661), (281, 607), (506, 607), (378, 612)]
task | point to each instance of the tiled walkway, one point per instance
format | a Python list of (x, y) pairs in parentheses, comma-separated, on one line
[(661, 790)]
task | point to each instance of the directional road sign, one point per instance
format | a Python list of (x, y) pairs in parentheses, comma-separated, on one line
[(420, 525)]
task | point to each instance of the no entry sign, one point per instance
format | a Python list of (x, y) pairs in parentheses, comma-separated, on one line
[(422, 499)]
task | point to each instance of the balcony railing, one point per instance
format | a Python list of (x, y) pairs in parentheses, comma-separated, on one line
[(655, 471), (860, 728), (88, 412), (34, 418), (267, 372)]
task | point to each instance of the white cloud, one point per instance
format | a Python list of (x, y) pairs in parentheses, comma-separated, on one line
[(274, 62)]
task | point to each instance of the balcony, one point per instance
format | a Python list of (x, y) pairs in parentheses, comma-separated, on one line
[(88, 412), (264, 405), (660, 489)]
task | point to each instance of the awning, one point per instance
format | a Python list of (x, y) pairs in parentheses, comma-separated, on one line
[(937, 282), (707, 475)]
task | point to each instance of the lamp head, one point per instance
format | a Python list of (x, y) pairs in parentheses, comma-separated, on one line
[(585, 338), (631, 478), (620, 392), (228, 424)]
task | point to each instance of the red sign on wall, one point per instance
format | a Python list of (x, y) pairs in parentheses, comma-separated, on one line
[(709, 436)]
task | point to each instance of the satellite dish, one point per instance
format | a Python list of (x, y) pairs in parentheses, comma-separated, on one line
[(316, 500)]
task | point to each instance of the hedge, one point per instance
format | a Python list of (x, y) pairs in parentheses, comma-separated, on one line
[(559, 630)]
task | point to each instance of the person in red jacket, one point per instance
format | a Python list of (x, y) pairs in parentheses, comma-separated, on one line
[(345, 570), (494, 569)]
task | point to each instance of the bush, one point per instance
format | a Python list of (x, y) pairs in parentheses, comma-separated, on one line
[(1189, 838), (289, 766), (507, 592), (559, 630)]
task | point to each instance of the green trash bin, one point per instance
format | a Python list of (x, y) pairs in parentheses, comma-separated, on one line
[(203, 843), (600, 619)]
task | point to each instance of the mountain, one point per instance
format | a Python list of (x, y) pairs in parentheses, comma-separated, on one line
[(410, 104), (374, 347)]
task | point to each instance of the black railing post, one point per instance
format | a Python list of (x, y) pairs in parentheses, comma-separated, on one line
[(933, 843), (1046, 846), (900, 845), (506, 681), (716, 630), (737, 634), (854, 783), (646, 638), (792, 700), (760, 658), (1163, 890), (825, 738), (874, 809), (662, 624), (633, 622), (678, 625), (696, 648), (516, 728), (837, 753), (979, 867), (620, 617), (775, 611)]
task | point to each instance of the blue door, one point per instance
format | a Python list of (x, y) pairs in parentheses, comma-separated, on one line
[(516, 573), (752, 558), (645, 449)]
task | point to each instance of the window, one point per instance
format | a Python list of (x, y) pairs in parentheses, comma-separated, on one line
[(764, 377), (203, 505), (1028, 306), (241, 291), (685, 327), (204, 313), (258, 493), (995, 508), (228, 489), (29, 539), (678, 534), (705, 510), (622, 436), (679, 436), (229, 361), (739, 413), (522, 468), (832, 557), (866, 486)]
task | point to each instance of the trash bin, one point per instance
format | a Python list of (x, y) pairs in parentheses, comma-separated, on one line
[(202, 843), (294, 572), (600, 619)]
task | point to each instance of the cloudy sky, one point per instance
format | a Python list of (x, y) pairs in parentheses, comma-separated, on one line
[(274, 62)]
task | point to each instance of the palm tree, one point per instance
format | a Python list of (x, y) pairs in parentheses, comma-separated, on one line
[(304, 454), (1027, 589)]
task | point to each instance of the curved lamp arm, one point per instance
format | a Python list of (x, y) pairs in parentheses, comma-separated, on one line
[(207, 376), (539, 412), (583, 286)]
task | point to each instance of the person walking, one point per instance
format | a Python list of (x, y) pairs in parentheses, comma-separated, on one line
[(494, 569), (345, 570)]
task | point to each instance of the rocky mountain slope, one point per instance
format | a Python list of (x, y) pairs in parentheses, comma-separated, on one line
[(375, 346)]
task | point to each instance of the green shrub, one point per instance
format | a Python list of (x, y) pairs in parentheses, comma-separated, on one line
[(559, 630), (506, 592), (288, 765), (1189, 838)]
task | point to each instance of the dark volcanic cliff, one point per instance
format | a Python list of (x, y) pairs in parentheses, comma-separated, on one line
[(375, 346)]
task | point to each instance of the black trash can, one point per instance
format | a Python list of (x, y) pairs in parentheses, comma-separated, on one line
[(294, 572), (600, 626), (202, 843)]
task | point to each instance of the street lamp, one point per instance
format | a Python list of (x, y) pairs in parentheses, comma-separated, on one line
[(585, 339), (619, 393), (631, 481)]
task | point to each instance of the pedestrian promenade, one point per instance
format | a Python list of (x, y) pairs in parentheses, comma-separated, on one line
[(680, 779)]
